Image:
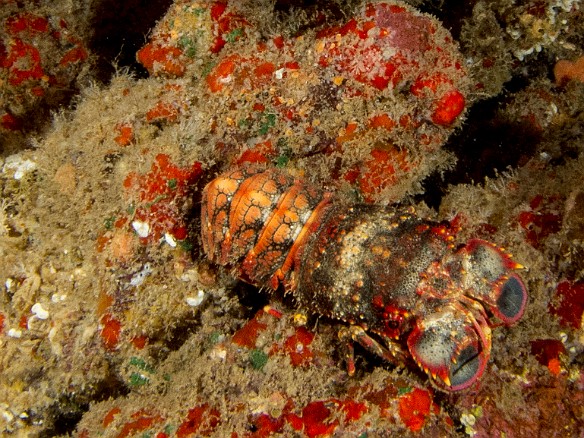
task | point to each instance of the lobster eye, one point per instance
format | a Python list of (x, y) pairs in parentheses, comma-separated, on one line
[(512, 299)]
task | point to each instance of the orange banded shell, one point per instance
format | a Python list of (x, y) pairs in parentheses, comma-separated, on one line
[(259, 221)]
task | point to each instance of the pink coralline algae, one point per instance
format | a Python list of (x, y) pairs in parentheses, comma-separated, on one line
[(40, 56), (389, 82)]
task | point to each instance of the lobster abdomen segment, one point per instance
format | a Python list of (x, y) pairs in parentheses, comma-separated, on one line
[(258, 222)]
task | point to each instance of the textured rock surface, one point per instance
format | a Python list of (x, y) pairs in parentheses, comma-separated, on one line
[(111, 322)]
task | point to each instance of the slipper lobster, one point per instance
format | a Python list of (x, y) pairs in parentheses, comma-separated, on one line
[(397, 281)]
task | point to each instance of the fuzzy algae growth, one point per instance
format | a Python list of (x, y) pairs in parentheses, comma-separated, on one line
[(103, 330)]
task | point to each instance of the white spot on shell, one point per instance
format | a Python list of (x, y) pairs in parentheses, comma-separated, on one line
[(7, 415), (139, 277), (196, 300), (14, 333), (57, 298), (39, 311), (219, 352), (169, 238), (141, 228), (20, 166)]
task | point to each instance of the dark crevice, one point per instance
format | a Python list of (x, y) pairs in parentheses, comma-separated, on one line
[(251, 299), (121, 29), (449, 403), (179, 335), (69, 409), (451, 13), (316, 13), (488, 143)]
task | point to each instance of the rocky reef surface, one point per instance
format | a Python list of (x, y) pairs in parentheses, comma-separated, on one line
[(112, 323)]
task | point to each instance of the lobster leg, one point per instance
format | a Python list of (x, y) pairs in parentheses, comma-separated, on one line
[(392, 353)]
